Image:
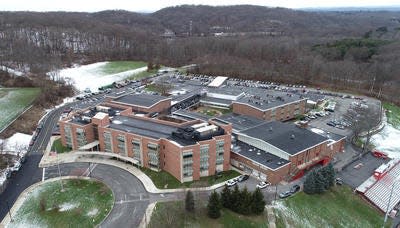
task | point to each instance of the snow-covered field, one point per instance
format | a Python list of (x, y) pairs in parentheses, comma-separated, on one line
[(17, 145), (388, 140), (13, 101), (93, 76)]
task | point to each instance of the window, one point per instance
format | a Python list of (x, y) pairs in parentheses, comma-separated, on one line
[(187, 163), (204, 156), (68, 135), (137, 154), (220, 152), (121, 144), (107, 141), (153, 154)]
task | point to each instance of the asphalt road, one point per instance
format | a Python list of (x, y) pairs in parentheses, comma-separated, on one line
[(29, 173), (131, 198)]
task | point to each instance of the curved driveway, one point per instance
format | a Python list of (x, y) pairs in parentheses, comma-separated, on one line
[(131, 198)]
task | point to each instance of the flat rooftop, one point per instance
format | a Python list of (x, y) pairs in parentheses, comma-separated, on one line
[(147, 128), (192, 115), (266, 99), (144, 100), (228, 90), (285, 136), (214, 100), (267, 159), (240, 122), (141, 127)]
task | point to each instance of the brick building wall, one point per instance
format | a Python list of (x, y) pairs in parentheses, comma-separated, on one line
[(280, 113), (273, 176)]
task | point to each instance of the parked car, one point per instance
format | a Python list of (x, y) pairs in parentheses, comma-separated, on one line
[(285, 194), (295, 188), (263, 184), (242, 178), (231, 183), (330, 123), (339, 181)]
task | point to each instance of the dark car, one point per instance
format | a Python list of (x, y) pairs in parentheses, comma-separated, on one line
[(339, 181), (285, 194), (295, 188), (243, 178), (330, 123)]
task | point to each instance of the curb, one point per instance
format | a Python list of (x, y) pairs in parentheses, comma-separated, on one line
[(147, 215), (22, 197), (146, 181)]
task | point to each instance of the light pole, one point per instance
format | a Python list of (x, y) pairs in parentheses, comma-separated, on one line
[(390, 199)]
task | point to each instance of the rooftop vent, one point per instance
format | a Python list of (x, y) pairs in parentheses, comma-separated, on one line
[(270, 128), (258, 153), (117, 122), (292, 137)]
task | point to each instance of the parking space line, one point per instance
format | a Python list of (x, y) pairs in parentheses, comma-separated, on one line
[(44, 171)]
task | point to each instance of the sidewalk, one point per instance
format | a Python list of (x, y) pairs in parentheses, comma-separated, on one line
[(74, 156)]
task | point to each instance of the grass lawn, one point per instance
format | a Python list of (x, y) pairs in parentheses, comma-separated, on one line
[(211, 111), (151, 88), (173, 214), (121, 66), (58, 146), (164, 180), (143, 74), (13, 101), (393, 114), (338, 207), (84, 203)]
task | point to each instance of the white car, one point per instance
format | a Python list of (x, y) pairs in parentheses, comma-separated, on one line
[(263, 184), (231, 183)]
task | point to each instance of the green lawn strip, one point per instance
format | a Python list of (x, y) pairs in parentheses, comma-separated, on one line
[(182, 218), (335, 208), (58, 146), (393, 114), (143, 74), (151, 88), (83, 203), (164, 180), (13, 101), (121, 66)]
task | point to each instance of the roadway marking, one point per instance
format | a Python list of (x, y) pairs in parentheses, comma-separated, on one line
[(130, 201), (89, 169), (44, 171)]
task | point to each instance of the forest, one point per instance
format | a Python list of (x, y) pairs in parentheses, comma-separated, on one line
[(357, 51)]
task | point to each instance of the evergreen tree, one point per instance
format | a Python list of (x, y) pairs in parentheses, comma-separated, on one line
[(325, 173), (330, 175), (245, 201), (235, 199), (214, 206), (309, 183), (226, 197), (189, 201), (258, 202), (320, 182)]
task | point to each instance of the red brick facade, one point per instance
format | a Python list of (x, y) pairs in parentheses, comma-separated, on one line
[(280, 113)]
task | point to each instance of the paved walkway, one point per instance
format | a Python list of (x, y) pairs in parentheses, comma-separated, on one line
[(51, 160), (271, 217), (25, 194)]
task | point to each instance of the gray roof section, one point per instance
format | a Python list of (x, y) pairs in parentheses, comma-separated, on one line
[(216, 100), (240, 122), (193, 115), (266, 99), (267, 159), (141, 127), (145, 100), (228, 90), (147, 128), (285, 136)]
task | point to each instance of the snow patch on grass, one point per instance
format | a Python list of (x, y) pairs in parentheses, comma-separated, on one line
[(68, 206), (93, 212), (388, 141), (292, 218), (92, 76)]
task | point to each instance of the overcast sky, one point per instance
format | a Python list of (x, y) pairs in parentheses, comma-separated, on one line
[(154, 5)]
